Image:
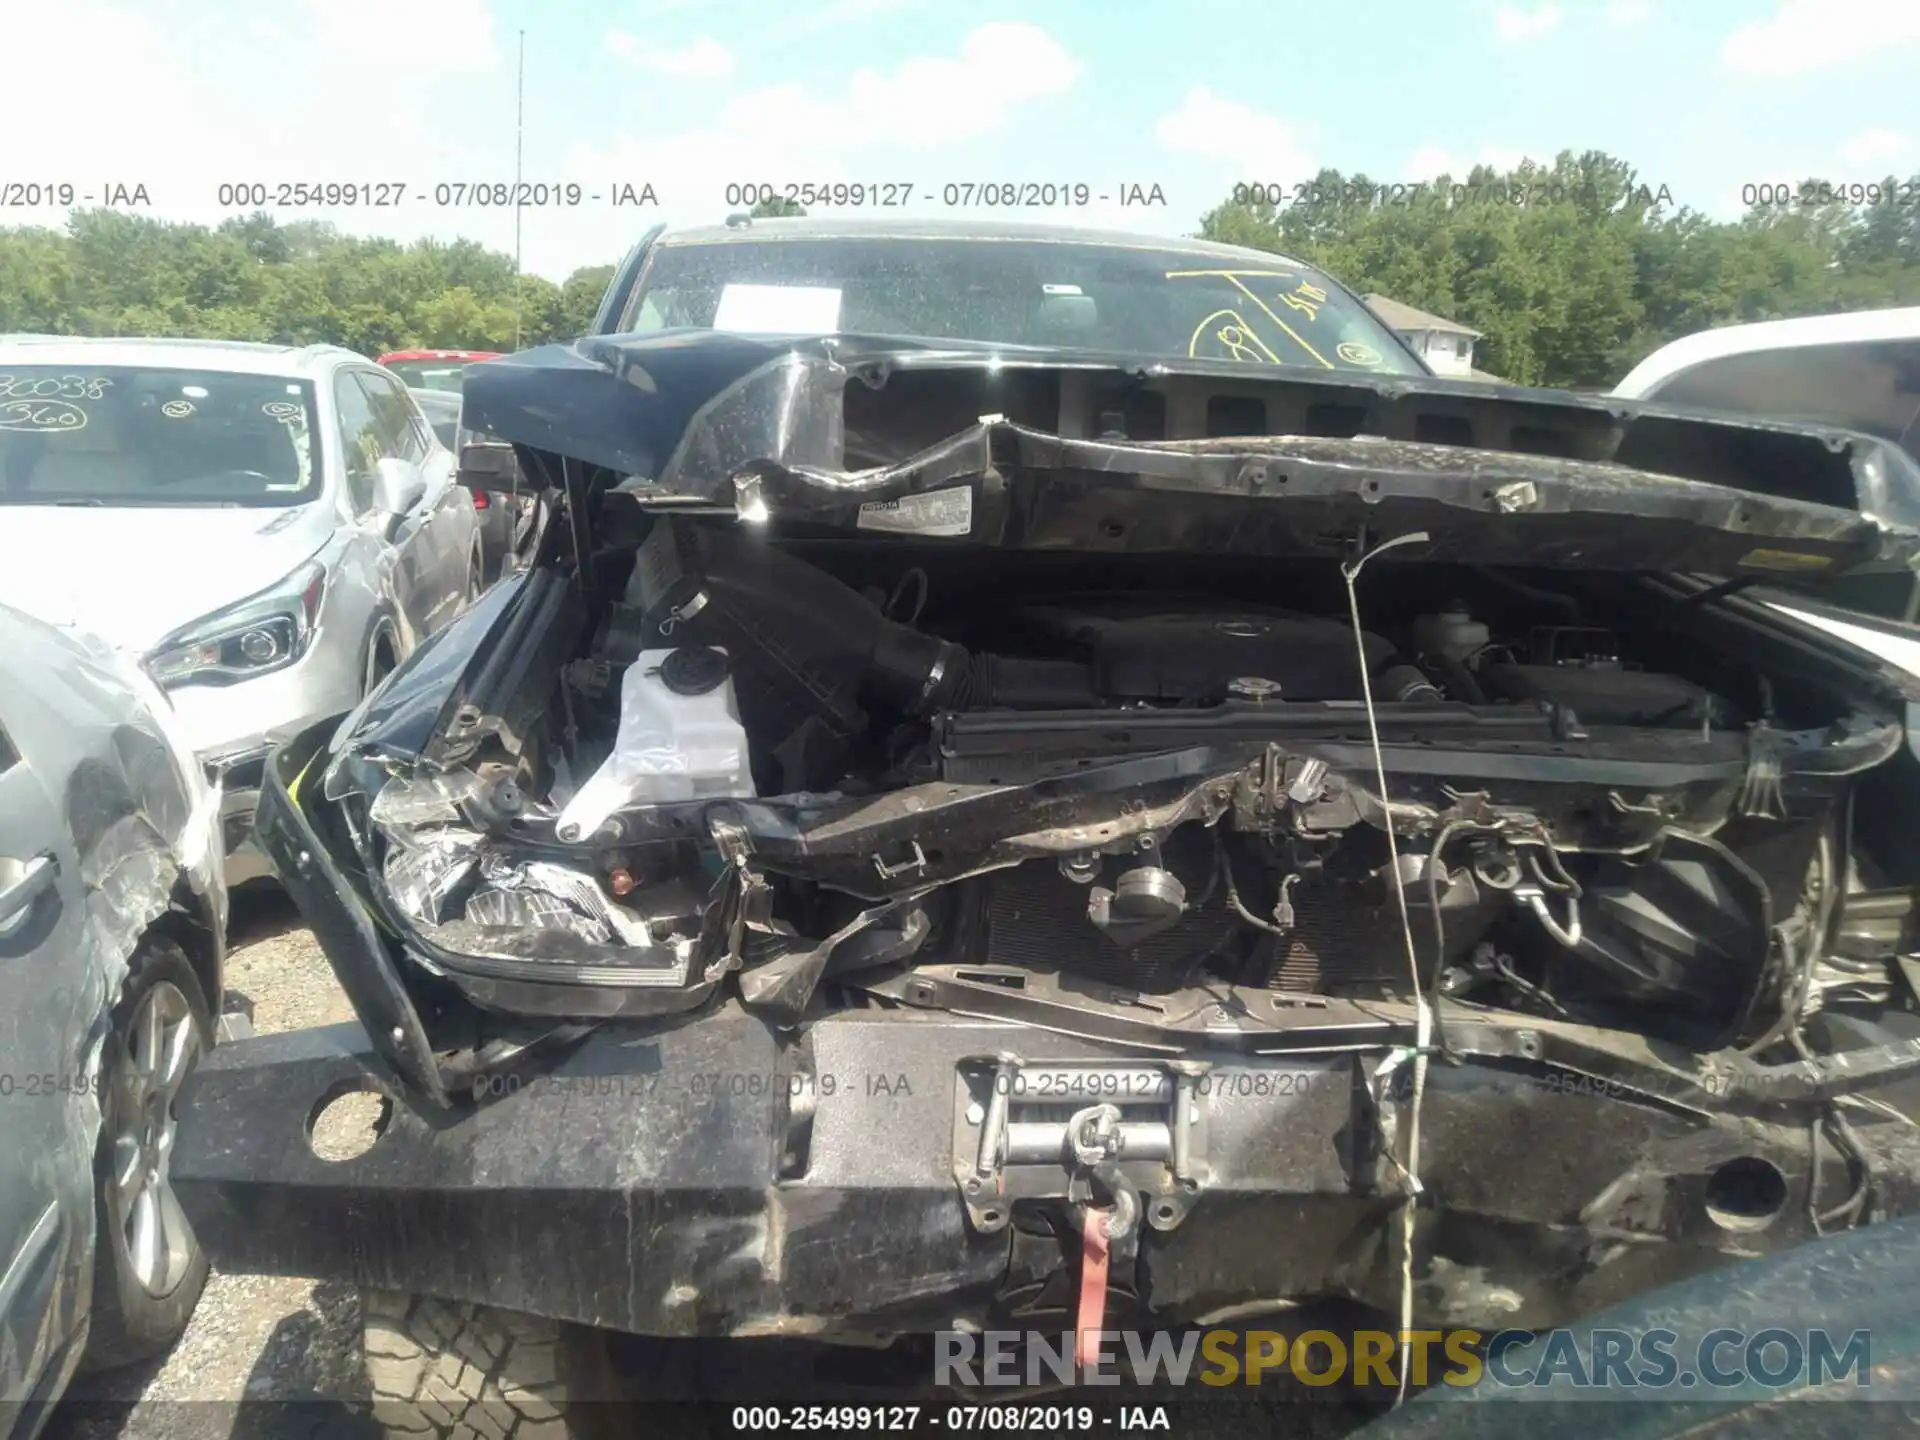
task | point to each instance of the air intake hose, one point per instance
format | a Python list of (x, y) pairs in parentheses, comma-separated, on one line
[(820, 643)]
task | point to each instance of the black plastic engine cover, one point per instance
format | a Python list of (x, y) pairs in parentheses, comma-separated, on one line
[(1187, 657), (1172, 657)]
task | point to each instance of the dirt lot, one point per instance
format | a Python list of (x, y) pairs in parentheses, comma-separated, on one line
[(256, 1342)]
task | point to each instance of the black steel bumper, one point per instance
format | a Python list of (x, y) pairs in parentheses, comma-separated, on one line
[(707, 1177)]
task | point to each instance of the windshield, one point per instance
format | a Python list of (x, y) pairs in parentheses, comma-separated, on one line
[(108, 435), (429, 374), (443, 414), (1117, 299)]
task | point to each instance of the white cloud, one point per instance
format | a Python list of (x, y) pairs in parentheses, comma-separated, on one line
[(1806, 35), (1629, 12), (1879, 151), (934, 99), (251, 103), (418, 37), (702, 59), (874, 126), (1249, 146), (1430, 162), (1514, 23), (838, 12), (790, 132)]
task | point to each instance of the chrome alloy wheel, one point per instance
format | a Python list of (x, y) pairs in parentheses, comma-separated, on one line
[(163, 1045)]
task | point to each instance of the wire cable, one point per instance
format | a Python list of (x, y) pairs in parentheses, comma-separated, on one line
[(1423, 1011)]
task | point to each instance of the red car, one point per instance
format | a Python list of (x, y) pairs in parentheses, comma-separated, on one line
[(434, 369)]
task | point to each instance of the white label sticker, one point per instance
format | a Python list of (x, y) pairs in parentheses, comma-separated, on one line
[(938, 512), (778, 310)]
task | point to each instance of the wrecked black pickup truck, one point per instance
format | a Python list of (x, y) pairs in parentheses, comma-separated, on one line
[(1140, 775)]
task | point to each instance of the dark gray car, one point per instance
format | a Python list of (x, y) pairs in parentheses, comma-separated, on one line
[(112, 925)]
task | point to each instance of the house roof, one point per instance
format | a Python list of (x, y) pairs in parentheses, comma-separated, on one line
[(1405, 317)]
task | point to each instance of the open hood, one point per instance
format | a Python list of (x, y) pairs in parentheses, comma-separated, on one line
[(1045, 449)]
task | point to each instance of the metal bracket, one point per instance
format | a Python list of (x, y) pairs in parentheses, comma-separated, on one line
[(905, 867), (1026, 1131)]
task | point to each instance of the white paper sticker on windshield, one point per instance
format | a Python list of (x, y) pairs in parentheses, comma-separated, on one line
[(779, 309), (938, 512)]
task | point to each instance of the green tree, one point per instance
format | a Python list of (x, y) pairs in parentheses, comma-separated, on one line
[(1575, 271), (580, 299), (1595, 270), (252, 278)]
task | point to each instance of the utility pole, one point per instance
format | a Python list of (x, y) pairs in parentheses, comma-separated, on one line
[(519, 146)]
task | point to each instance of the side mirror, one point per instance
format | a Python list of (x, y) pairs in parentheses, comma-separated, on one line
[(397, 485), (488, 465)]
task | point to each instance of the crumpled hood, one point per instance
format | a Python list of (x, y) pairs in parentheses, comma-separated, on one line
[(844, 430), (133, 575)]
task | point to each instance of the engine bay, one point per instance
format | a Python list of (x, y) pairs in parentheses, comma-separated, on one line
[(820, 764)]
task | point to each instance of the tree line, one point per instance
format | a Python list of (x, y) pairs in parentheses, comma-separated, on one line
[(1576, 271), (302, 283), (1573, 271)]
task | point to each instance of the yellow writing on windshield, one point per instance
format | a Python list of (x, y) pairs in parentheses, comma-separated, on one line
[(1236, 337), (1238, 279), (1305, 298)]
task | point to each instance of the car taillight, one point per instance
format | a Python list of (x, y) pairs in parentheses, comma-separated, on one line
[(480, 501)]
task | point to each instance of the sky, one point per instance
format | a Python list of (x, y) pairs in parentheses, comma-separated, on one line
[(182, 97)]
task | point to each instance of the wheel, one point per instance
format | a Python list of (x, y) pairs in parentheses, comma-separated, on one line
[(448, 1370), (380, 660), (148, 1268)]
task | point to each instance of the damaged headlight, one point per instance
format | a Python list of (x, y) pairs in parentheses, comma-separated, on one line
[(469, 894), (261, 634)]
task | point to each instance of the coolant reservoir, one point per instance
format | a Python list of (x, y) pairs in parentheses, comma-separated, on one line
[(680, 739)]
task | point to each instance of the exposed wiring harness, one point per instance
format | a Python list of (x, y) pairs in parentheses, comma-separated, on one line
[(1830, 870), (1282, 922)]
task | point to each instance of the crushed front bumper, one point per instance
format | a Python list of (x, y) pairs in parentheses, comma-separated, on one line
[(713, 1176)]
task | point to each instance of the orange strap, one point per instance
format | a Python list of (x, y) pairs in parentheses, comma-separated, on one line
[(1093, 1287)]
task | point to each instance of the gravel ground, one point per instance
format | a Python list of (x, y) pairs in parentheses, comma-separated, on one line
[(266, 1357)]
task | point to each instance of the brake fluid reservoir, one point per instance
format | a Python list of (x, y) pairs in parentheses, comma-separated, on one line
[(1452, 634), (680, 738)]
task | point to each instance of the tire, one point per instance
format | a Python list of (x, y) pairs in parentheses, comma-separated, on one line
[(141, 1305), (449, 1370), (380, 660)]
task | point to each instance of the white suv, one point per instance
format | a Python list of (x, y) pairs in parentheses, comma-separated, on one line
[(271, 528)]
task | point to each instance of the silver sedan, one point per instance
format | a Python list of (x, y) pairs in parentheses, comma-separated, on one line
[(112, 924)]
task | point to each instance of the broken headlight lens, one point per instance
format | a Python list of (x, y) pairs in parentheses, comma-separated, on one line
[(261, 634)]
